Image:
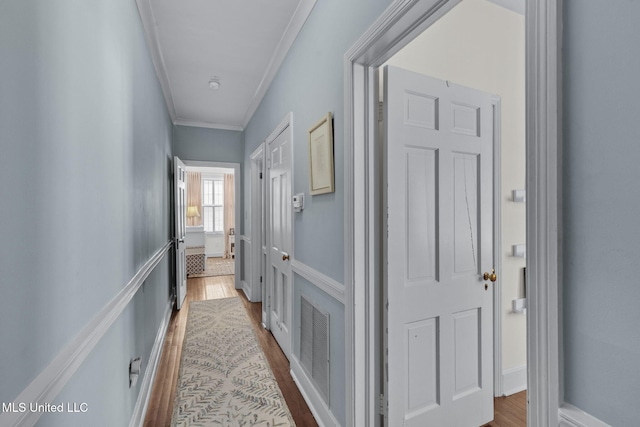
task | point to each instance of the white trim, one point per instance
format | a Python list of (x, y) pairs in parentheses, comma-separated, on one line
[(247, 263), (46, 386), (498, 385), (238, 200), (544, 228), (151, 35), (291, 33), (142, 403), (213, 255), (570, 416), (256, 200), (399, 23), (321, 412), (514, 380), (287, 122), (208, 125), (321, 281), (246, 289)]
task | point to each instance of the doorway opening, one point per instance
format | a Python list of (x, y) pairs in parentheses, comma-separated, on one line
[(213, 241), (275, 159), (462, 49), (395, 28)]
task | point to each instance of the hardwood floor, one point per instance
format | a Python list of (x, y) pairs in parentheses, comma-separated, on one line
[(160, 407), (509, 411)]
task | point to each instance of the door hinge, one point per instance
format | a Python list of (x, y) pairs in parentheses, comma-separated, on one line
[(260, 279), (380, 111), (383, 405), (260, 175)]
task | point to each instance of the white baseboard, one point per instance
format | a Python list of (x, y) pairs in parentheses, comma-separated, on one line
[(570, 416), (46, 386), (321, 412), (246, 288), (140, 410), (214, 255), (514, 380)]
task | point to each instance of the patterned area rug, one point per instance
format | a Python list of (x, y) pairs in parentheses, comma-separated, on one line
[(224, 378), (217, 267)]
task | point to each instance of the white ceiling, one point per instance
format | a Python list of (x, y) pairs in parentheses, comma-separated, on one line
[(242, 42)]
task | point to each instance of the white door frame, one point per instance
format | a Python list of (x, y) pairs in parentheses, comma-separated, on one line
[(400, 23), (237, 202), (287, 121), (258, 169)]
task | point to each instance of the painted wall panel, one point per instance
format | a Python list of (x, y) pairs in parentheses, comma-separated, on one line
[(601, 209), (85, 190)]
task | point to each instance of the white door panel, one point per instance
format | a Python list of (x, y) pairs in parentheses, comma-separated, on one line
[(180, 201), (279, 173), (438, 140)]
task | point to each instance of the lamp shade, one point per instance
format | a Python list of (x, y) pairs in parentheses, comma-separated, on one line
[(192, 212)]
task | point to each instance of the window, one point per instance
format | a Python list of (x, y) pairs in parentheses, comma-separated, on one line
[(213, 205)]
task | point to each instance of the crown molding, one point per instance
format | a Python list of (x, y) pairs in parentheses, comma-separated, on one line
[(291, 33)]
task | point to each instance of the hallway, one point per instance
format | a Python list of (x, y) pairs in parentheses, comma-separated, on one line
[(161, 403), (509, 411)]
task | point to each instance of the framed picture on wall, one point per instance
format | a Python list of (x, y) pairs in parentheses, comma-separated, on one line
[(321, 178)]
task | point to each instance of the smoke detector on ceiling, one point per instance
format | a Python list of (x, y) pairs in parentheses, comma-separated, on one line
[(214, 83)]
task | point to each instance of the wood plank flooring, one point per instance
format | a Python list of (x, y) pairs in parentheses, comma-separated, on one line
[(509, 411), (161, 403)]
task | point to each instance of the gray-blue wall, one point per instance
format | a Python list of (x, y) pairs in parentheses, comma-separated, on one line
[(310, 84), (601, 209), (85, 143), (211, 145), (214, 145)]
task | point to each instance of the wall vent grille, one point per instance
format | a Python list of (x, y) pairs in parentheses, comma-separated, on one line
[(314, 345)]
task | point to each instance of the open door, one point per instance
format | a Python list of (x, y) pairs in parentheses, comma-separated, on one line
[(258, 241), (279, 268), (180, 206), (438, 154)]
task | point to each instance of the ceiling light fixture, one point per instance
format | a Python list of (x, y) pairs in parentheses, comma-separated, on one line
[(214, 84)]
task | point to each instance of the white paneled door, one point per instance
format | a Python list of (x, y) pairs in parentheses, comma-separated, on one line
[(180, 200), (280, 153), (439, 200)]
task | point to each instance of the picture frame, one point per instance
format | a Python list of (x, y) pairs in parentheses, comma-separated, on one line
[(321, 166)]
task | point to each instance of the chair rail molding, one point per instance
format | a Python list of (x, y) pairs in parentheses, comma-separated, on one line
[(321, 281), (46, 386)]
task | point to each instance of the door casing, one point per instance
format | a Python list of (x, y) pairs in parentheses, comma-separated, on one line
[(258, 245), (238, 207), (400, 23), (286, 122)]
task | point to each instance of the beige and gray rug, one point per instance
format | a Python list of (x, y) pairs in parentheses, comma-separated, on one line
[(224, 377), (217, 267)]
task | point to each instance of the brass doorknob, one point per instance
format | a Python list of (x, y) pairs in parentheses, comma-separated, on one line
[(285, 257), (491, 276)]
